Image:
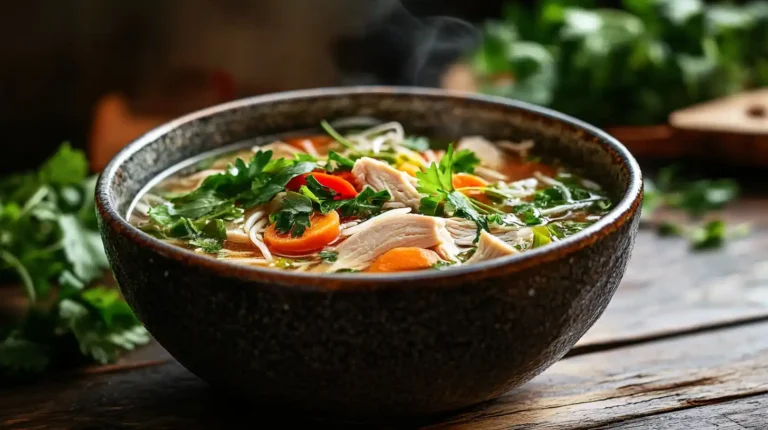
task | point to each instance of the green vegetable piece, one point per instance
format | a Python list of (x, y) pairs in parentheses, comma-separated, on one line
[(541, 236), (294, 214), (329, 256)]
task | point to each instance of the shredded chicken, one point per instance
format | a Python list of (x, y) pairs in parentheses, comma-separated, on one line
[(380, 236), (490, 247), (490, 155), (381, 176), (464, 232)]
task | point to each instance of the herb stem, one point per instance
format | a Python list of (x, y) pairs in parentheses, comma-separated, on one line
[(14, 262), (35, 200), (484, 207), (338, 137)]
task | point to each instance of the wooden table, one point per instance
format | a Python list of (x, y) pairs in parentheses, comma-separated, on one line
[(683, 344)]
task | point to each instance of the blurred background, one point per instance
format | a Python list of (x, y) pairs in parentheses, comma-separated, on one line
[(100, 73)]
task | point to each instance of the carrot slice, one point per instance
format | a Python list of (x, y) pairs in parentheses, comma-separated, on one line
[(465, 180), (404, 259), (344, 189), (323, 230)]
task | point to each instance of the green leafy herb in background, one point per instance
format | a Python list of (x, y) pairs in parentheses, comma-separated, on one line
[(50, 245), (696, 199), (637, 64)]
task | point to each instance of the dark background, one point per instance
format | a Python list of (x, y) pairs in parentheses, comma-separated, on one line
[(58, 58)]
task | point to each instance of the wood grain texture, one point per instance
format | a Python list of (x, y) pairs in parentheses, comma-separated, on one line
[(585, 391), (741, 414), (669, 289), (626, 383)]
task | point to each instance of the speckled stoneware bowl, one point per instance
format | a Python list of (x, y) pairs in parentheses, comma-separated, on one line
[(362, 344)]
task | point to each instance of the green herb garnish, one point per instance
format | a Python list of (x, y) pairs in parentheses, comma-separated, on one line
[(49, 237)]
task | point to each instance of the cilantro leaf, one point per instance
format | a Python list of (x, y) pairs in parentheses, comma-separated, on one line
[(83, 248), (294, 214), (458, 204), (266, 189), (465, 161), (19, 355), (318, 190), (366, 204), (438, 178), (66, 167), (329, 256), (527, 213)]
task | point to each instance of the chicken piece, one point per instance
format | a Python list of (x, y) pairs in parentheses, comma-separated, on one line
[(381, 176), (464, 231), (490, 155), (380, 236), (490, 247)]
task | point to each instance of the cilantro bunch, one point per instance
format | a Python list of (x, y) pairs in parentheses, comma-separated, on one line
[(697, 199), (199, 216), (50, 246), (639, 63)]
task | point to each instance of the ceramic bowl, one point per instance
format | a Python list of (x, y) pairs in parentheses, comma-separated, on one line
[(371, 345)]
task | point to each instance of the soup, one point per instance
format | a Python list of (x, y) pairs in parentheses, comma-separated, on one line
[(372, 200)]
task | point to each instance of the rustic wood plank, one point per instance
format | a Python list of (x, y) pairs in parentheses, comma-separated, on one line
[(669, 289), (742, 414), (625, 383), (578, 392)]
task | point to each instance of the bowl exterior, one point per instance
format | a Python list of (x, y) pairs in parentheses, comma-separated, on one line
[(370, 347)]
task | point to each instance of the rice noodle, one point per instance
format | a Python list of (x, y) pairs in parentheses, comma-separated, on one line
[(258, 241), (252, 218), (521, 148), (568, 207), (489, 174)]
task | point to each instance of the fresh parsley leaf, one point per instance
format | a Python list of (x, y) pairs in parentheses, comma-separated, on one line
[(329, 256), (318, 190), (465, 161), (66, 167), (442, 265), (294, 214), (366, 204), (211, 236), (527, 213), (83, 248), (265, 190), (458, 204), (438, 178), (710, 235), (703, 196), (670, 229), (19, 355), (563, 229)]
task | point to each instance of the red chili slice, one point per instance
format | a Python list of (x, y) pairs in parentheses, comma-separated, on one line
[(344, 190)]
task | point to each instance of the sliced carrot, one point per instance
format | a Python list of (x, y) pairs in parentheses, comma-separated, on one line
[(344, 189), (465, 180), (323, 230), (404, 259)]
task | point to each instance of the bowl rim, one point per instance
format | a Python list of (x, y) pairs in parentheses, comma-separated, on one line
[(616, 217)]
